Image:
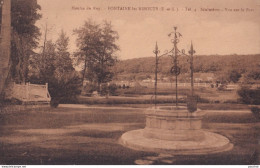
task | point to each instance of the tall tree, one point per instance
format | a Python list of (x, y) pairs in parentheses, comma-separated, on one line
[(63, 61), (47, 62), (54, 66), (96, 51), (25, 36)]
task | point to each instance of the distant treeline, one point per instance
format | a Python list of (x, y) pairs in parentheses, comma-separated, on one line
[(202, 63)]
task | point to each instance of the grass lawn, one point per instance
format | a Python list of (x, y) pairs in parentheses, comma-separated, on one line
[(164, 95), (79, 135)]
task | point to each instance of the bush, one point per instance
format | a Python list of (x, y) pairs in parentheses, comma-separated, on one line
[(54, 102), (249, 96), (64, 90), (89, 88), (104, 89), (112, 89)]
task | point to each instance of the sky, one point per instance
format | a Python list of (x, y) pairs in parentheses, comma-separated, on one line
[(233, 27)]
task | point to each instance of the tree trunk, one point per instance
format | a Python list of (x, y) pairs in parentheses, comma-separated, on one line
[(5, 43), (83, 75)]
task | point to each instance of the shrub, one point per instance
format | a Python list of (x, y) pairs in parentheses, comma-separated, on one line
[(249, 96), (112, 89), (89, 88), (65, 89), (104, 89), (108, 89), (54, 102)]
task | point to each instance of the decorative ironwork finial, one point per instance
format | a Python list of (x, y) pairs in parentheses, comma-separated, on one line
[(156, 51), (192, 51)]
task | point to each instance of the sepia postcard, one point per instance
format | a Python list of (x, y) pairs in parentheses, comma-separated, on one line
[(129, 82)]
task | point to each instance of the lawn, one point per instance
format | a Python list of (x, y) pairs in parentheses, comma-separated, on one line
[(83, 135), (145, 95)]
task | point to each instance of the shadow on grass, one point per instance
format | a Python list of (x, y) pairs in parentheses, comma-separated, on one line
[(99, 134)]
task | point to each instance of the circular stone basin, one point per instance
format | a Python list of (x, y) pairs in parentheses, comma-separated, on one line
[(171, 129), (171, 123), (211, 143)]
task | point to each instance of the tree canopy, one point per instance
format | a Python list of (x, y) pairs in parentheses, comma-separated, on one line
[(54, 66), (229, 68), (96, 50), (25, 36)]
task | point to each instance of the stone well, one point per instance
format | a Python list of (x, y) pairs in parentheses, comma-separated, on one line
[(177, 131)]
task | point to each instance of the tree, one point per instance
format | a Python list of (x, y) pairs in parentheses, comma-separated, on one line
[(65, 85), (63, 61), (47, 62), (25, 35), (234, 76), (54, 67), (96, 51), (42, 66), (252, 76), (249, 95), (229, 74)]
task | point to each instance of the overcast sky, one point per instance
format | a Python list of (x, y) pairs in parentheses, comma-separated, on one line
[(212, 32)]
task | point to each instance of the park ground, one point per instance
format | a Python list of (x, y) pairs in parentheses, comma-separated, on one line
[(89, 135)]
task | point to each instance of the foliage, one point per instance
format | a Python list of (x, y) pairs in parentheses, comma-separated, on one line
[(89, 88), (54, 66), (252, 75), (96, 51), (104, 90), (25, 35), (228, 68), (66, 88), (108, 89), (249, 95), (112, 89), (228, 75), (63, 63), (234, 76)]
